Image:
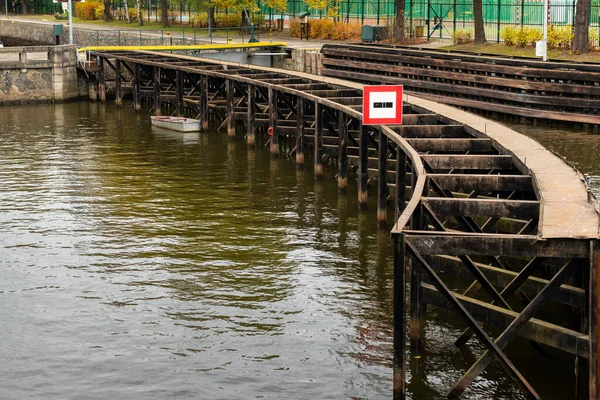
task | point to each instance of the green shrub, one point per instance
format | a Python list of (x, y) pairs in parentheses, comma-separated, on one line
[(87, 10), (227, 20), (593, 38), (462, 36)]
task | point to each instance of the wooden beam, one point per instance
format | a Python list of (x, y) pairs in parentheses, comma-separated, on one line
[(179, 90), (483, 183), (540, 331), (446, 207), (468, 161), (450, 145), (431, 131), (496, 245), (137, 104), (510, 332), (230, 99), (101, 80)]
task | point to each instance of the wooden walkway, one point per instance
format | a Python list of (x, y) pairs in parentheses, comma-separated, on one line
[(509, 224)]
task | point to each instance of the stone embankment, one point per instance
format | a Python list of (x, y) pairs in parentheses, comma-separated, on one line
[(38, 74)]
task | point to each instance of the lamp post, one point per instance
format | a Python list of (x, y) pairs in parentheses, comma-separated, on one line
[(6, 8), (546, 16), (70, 22)]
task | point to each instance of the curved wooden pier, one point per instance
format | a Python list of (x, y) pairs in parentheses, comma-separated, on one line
[(510, 225)]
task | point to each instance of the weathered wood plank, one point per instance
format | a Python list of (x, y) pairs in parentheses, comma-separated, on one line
[(496, 245), (540, 331), (483, 183)]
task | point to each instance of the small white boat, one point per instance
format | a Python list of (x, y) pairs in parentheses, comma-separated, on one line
[(176, 123)]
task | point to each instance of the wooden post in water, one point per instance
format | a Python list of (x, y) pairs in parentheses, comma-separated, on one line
[(399, 318), (179, 89), (156, 82), (204, 101), (416, 306), (343, 152), (250, 121), (273, 121), (400, 196), (300, 132), (118, 89), (229, 105), (382, 187), (137, 104), (101, 80), (363, 165), (594, 314), (318, 140)]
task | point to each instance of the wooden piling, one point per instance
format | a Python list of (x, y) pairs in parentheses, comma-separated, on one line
[(118, 89), (300, 132), (318, 140), (156, 84), (137, 103), (363, 159), (101, 80), (250, 122), (204, 102), (400, 195), (179, 90), (343, 152), (594, 326), (229, 105), (274, 147), (399, 318), (416, 304), (382, 187)]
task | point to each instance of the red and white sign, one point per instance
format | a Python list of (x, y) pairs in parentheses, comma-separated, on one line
[(382, 105)]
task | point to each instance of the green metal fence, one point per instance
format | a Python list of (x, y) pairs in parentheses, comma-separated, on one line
[(424, 18)]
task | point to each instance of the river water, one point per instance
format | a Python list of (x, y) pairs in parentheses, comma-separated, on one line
[(140, 263)]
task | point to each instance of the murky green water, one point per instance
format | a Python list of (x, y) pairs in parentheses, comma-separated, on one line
[(140, 263)]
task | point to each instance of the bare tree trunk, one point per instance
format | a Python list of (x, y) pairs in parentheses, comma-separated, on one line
[(399, 33), (127, 12), (478, 20), (582, 20), (212, 24), (107, 12), (164, 10), (138, 7)]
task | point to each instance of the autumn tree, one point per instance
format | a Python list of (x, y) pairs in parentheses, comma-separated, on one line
[(582, 20), (478, 21)]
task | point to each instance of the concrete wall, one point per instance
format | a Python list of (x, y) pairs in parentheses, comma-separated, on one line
[(38, 74), (303, 60), (25, 33)]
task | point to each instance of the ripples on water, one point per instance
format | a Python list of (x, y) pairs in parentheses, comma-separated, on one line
[(140, 263)]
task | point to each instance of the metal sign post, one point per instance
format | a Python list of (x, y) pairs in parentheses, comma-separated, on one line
[(546, 18)]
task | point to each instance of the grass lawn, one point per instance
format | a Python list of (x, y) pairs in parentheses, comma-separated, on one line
[(501, 49)]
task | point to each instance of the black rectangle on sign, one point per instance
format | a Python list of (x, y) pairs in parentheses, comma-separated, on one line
[(377, 105)]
